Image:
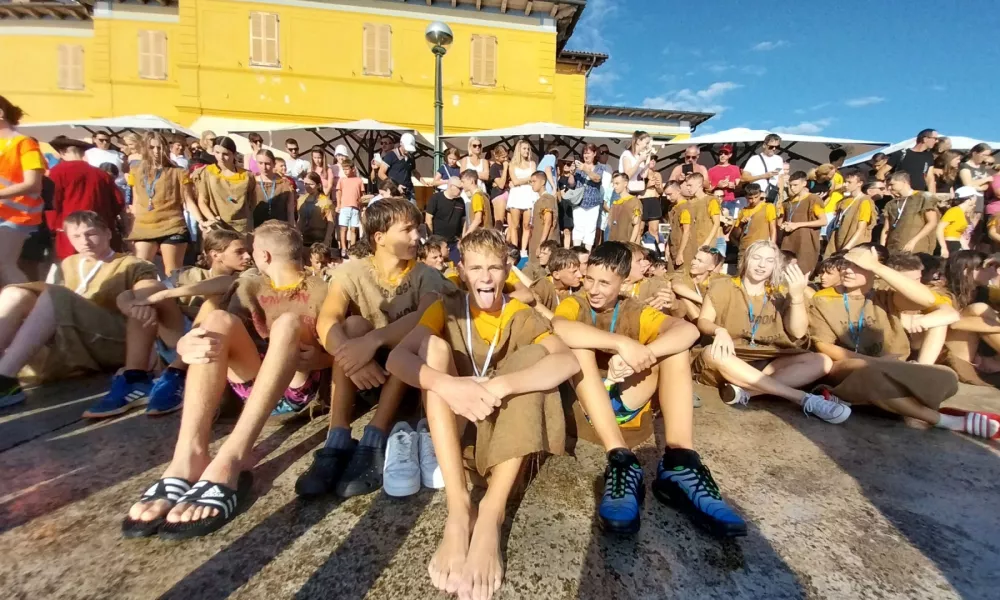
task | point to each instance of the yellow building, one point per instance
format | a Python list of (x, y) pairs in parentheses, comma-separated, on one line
[(295, 61)]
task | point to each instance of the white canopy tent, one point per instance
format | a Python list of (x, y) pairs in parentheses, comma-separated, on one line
[(804, 151), (540, 135), (958, 142), (116, 126)]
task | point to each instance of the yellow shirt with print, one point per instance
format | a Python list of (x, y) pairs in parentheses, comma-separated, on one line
[(650, 320), (956, 221), (485, 323), (835, 197)]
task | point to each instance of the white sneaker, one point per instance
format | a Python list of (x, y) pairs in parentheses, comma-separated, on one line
[(832, 411), (734, 394), (430, 471), (401, 472)]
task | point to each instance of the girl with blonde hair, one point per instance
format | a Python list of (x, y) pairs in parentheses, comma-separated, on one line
[(476, 160), (521, 198), (760, 327)]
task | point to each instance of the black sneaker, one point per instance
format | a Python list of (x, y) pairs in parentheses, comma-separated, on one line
[(326, 470), (687, 485), (364, 473), (11, 395)]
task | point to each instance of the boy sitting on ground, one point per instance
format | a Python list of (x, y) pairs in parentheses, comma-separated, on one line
[(483, 358), (629, 353), (536, 268), (433, 252), (265, 345), (653, 291), (371, 305), (88, 324), (564, 281), (928, 328), (691, 284)]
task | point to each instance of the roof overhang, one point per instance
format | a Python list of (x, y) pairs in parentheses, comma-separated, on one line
[(584, 61), (61, 10), (632, 112)]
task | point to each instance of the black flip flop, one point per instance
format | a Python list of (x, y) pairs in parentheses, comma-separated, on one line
[(170, 489), (206, 494)]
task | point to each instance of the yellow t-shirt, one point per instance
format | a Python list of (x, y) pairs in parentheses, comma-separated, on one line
[(650, 320), (485, 323), (956, 221), (769, 212), (818, 211), (477, 202), (508, 285), (714, 208), (835, 197)]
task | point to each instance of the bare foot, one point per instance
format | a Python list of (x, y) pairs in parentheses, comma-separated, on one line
[(483, 571), (189, 471), (221, 470), (446, 565)]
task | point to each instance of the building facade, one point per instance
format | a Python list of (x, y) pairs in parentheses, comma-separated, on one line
[(294, 61)]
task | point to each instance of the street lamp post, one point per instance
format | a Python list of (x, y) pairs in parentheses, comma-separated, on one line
[(439, 37)]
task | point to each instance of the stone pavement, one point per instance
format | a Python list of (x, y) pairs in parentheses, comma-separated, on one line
[(869, 509)]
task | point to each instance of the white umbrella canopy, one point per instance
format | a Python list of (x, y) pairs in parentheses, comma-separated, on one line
[(540, 135), (805, 151), (116, 126), (958, 142)]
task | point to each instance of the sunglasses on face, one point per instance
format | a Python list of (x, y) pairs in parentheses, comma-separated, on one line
[(102, 140), (477, 145), (690, 158), (773, 147)]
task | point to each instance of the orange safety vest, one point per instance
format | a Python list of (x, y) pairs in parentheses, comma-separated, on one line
[(18, 154)]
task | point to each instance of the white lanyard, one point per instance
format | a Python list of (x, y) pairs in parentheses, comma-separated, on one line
[(468, 338), (85, 279)]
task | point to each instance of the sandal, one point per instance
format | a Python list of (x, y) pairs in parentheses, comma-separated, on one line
[(210, 495), (977, 423), (170, 489)]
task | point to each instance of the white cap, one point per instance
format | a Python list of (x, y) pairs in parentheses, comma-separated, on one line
[(409, 142), (341, 151), (966, 191)]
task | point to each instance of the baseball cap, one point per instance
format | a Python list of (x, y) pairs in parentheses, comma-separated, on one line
[(726, 149), (408, 142), (341, 151), (966, 191)]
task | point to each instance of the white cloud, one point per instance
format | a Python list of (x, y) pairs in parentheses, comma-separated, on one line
[(799, 111), (819, 106), (706, 100), (589, 32), (769, 45), (938, 88), (603, 78), (756, 70), (718, 67), (864, 101), (805, 127)]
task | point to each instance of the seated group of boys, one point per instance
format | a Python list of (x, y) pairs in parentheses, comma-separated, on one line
[(615, 341)]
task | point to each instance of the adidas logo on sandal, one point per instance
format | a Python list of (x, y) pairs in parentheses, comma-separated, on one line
[(215, 492)]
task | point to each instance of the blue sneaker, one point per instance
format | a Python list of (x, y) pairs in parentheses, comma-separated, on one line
[(287, 408), (624, 491), (123, 397), (687, 485), (167, 394), (12, 395)]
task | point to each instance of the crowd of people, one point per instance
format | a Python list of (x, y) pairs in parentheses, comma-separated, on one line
[(526, 303)]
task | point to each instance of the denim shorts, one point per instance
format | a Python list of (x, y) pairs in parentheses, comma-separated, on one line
[(349, 217)]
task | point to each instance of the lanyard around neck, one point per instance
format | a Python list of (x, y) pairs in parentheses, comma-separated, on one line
[(754, 321), (493, 344), (86, 278), (614, 317), (268, 195), (855, 330), (899, 215), (151, 187)]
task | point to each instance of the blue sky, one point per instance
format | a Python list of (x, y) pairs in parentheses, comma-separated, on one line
[(879, 70)]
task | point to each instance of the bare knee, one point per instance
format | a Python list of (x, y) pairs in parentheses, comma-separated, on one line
[(822, 362), (356, 326), (219, 321), (17, 295), (436, 353)]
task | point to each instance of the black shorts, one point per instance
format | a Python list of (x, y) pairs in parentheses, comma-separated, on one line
[(565, 215), (652, 209), (38, 245), (176, 238)]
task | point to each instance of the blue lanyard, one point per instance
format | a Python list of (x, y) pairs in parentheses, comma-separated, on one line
[(268, 196), (855, 330), (614, 317), (150, 187), (754, 322)]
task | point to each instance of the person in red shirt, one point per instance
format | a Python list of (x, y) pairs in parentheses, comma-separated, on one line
[(724, 176), (80, 186)]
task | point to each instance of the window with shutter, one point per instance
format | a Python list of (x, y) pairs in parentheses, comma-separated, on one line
[(70, 68), (152, 54), (484, 60), (376, 50), (264, 40)]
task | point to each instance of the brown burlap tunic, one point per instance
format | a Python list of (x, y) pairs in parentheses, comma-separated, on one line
[(680, 215), (90, 330), (480, 198), (258, 303), (905, 218), (702, 209), (546, 293), (882, 336), (231, 198), (732, 312), (853, 215), (524, 424), (162, 216), (623, 211), (755, 222), (275, 199), (804, 241), (382, 302), (546, 204)]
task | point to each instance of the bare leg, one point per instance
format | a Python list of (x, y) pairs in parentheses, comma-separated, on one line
[(798, 371), (147, 251), (36, 331), (499, 211), (344, 390), (675, 392), (173, 257), (525, 229), (203, 391), (11, 243), (139, 341), (15, 304), (352, 236), (272, 379), (514, 226), (342, 236), (171, 322), (445, 567), (933, 344), (594, 399), (483, 570)]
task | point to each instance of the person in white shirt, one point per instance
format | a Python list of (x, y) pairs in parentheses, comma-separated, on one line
[(636, 161), (765, 167), (298, 166), (102, 152), (177, 152)]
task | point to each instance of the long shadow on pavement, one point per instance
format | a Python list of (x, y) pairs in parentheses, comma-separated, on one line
[(936, 488)]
